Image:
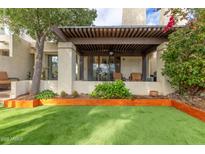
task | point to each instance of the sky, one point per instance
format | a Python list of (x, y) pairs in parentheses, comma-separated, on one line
[(113, 16), (108, 17), (153, 16)]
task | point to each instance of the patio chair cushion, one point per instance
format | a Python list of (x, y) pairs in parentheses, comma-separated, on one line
[(136, 76), (3, 76), (117, 76), (4, 82)]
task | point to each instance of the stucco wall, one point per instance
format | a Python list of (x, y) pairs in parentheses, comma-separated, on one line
[(134, 16), (166, 87), (4, 41), (49, 84), (20, 88), (20, 62), (86, 87), (137, 88), (66, 66), (24, 86), (48, 46), (85, 71), (130, 64), (143, 88), (151, 63)]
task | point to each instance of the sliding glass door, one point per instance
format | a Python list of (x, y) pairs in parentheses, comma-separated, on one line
[(103, 68)]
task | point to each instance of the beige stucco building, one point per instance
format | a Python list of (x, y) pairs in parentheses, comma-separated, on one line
[(138, 16), (85, 56)]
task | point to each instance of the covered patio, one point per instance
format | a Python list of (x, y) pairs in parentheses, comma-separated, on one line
[(115, 52), (98, 54), (87, 56)]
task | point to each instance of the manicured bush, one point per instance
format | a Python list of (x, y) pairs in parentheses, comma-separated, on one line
[(75, 93), (63, 94), (111, 90), (45, 94)]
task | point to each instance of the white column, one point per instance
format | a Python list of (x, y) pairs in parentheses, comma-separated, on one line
[(165, 85), (66, 66)]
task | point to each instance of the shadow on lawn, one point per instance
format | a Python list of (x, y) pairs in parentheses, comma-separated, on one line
[(97, 125)]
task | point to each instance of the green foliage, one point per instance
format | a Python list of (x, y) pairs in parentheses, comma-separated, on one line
[(185, 57), (39, 21), (63, 94), (75, 93), (45, 94), (112, 90)]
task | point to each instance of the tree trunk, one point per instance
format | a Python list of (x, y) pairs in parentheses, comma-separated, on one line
[(38, 66)]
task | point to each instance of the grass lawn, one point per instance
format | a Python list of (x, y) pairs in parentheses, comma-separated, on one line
[(99, 125)]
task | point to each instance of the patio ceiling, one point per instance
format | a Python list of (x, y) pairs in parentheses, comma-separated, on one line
[(121, 49), (119, 39)]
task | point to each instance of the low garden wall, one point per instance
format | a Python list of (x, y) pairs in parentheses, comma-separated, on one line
[(23, 87), (20, 88), (86, 87), (136, 87)]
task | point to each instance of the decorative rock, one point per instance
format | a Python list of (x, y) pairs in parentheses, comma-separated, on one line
[(153, 93)]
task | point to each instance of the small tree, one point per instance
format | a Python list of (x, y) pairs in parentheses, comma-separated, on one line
[(185, 55), (38, 24)]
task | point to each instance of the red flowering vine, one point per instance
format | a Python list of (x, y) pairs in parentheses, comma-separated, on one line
[(170, 24)]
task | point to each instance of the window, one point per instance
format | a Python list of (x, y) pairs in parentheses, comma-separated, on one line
[(52, 67), (4, 52), (103, 68)]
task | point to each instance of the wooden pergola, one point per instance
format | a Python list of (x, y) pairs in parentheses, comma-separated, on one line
[(121, 40), (126, 40)]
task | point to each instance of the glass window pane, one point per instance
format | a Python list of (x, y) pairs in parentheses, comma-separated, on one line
[(53, 67)]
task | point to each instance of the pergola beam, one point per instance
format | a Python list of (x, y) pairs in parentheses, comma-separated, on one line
[(59, 33), (108, 40), (87, 53)]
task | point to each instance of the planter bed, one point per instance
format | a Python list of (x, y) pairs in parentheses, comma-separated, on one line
[(107, 102), (195, 112), (21, 103)]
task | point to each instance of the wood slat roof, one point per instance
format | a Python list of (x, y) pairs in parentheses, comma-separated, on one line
[(117, 49), (120, 39), (113, 31)]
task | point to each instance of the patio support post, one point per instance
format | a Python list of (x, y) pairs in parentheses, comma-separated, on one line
[(90, 68), (144, 67), (81, 68), (66, 66)]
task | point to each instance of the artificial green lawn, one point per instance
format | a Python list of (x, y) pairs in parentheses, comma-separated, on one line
[(99, 125)]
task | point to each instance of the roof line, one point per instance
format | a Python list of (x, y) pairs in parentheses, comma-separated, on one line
[(122, 26)]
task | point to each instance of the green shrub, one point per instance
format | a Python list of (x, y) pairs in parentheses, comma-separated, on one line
[(63, 94), (184, 60), (45, 94), (75, 93), (112, 90)]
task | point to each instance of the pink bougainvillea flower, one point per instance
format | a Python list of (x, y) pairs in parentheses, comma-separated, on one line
[(170, 24)]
